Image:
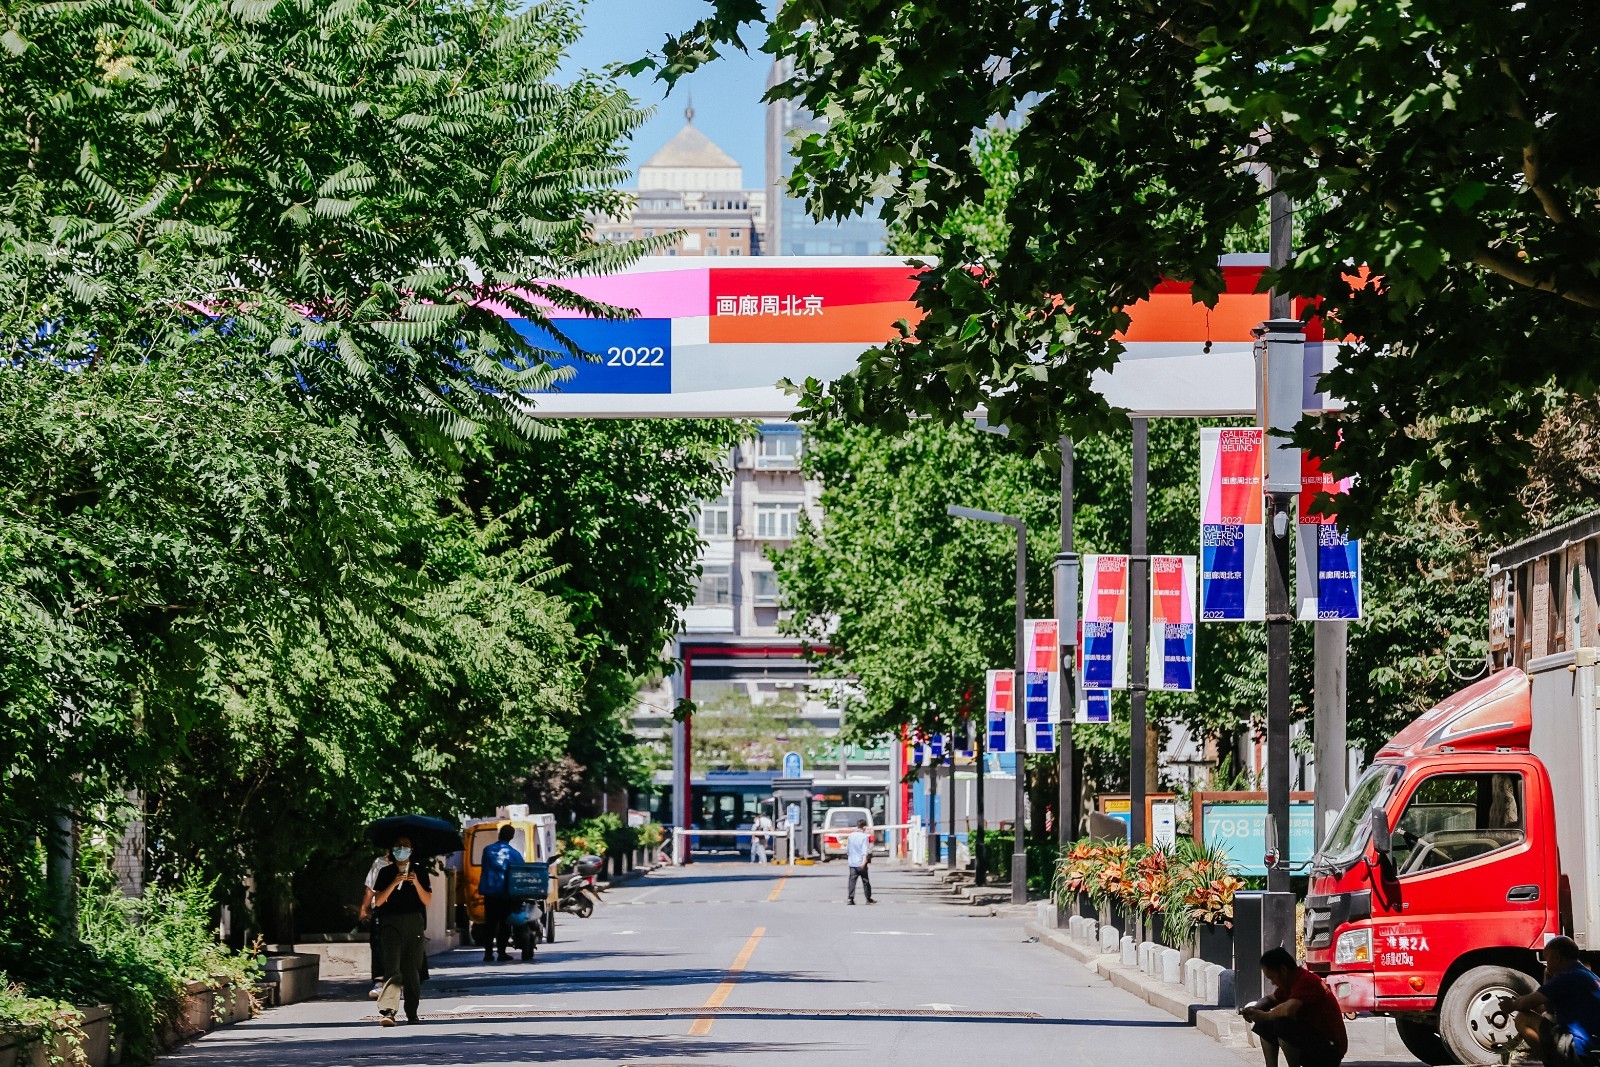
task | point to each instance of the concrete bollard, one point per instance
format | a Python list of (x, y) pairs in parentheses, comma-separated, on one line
[(1109, 940), (1075, 927), (1047, 914), (1171, 966), (1130, 952), (1194, 977), (1091, 932), (1144, 956)]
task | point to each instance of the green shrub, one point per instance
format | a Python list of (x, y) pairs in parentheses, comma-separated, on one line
[(36, 1020)]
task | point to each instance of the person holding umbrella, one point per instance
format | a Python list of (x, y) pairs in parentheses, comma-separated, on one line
[(401, 894)]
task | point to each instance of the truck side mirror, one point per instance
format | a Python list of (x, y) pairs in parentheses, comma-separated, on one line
[(1382, 839)]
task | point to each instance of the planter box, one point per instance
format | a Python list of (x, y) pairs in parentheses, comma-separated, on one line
[(295, 976), (1214, 944), (95, 1047)]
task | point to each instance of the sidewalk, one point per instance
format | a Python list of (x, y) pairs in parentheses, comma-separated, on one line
[(1199, 992)]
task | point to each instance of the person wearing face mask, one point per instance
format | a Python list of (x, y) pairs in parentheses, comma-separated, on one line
[(401, 894)]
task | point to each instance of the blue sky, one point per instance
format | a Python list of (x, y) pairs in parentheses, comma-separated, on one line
[(727, 95)]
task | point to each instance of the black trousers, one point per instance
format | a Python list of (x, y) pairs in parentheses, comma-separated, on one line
[(375, 942), (404, 956), (1298, 1041), (861, 873), (496, 920)]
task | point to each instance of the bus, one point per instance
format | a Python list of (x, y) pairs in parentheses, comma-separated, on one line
[(722, 800)]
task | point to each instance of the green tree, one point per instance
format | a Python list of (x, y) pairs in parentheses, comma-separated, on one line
[(1448, 147), (617, 501)]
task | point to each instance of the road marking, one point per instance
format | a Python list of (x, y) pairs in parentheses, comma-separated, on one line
[(719, 996), (778, 888), (891, 933)]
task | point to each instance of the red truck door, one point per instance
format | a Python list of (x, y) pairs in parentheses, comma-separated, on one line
[(1469, 875)]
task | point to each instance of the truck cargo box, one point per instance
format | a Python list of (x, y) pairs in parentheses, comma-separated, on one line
[(1566, 738)]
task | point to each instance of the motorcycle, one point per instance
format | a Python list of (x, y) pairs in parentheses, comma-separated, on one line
[(576, 895)]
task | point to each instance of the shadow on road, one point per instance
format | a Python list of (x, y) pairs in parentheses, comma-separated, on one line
[(415, 1045), (551, 981)]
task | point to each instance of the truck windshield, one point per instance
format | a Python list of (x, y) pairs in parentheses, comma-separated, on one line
[(1349, 834)]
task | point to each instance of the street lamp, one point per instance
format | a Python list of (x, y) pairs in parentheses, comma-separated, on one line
[(1019, 855)]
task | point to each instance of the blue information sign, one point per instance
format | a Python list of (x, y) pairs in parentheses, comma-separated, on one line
[(793, 766), (1240, 830), (631, 357)]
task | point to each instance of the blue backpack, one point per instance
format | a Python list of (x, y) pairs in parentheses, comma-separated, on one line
[(496, 858)]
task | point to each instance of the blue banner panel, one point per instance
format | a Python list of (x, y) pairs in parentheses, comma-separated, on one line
[(1222, 573), (632, 357)]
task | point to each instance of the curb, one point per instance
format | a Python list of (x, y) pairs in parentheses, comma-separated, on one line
[(1220, 1024), (1371, 1037)]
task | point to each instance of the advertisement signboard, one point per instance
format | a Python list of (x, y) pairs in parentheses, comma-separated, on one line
[(1233, 533), (1236, 823), (1103, 636), (1041, 682), (1041, 737), (1094, 705), (1000, 705), (1327, 563), (1172, 582)]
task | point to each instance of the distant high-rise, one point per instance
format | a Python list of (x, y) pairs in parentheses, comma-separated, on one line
[(791, 231)]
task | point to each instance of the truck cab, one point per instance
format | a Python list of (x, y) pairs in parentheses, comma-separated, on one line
[(1474, 837)]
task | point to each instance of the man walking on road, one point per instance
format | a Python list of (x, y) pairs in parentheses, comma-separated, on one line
[(758, 838), (858, 853)]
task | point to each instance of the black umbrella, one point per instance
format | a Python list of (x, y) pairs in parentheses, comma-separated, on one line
[(429, 837)]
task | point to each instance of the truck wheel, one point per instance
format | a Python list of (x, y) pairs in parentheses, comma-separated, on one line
[(1471, 1023), (1422, 1040)]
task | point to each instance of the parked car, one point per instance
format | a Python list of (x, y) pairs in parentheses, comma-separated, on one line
[(839, 823)]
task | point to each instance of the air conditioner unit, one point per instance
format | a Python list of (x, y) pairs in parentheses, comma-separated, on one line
[(777, 463), (738, 533)]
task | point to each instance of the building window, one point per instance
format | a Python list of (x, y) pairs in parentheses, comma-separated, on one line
[(766, 588), (716, 587), (712, 251), (647, 232), (715, 521), (778, 451), (777, 522), (711, 231), (735, 251), (735, 233)]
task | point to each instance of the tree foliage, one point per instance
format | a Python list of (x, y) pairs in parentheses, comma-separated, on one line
[(1448, 147)]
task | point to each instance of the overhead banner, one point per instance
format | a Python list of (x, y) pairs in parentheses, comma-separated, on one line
[(1233, 533), (1172, 581), (1103, 641), (1041, 682), (1327, 563), (1000, 711), (1094, 705), (1041, 737)]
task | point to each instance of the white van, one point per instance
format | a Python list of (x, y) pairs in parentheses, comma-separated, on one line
[(839, 823)]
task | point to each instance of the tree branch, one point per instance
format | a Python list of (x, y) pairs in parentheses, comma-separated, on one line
[(1524, 275)]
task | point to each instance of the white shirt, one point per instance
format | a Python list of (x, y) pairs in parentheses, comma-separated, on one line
[(762, 823), (377, 865), (857, 848)]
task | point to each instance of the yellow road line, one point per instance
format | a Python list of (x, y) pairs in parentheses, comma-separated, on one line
[(720, 995), (778, 888)]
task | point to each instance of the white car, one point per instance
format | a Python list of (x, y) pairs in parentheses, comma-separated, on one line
[(839, 823)]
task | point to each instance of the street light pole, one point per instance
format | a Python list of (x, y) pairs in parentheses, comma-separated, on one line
[(1139, 633), (1019, 851), (1066, 587)]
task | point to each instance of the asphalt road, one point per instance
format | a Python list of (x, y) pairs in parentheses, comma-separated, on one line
[(723, 963)]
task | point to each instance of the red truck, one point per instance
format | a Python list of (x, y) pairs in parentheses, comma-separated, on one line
[(1474, 837)]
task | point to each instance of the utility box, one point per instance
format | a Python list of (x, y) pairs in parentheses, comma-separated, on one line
[(1261, 920)]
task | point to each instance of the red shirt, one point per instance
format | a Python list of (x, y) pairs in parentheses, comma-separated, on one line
[(1319, 1011)]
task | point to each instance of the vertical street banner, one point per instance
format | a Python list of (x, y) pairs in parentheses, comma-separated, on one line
[(919, 754), (936, 748), (1001, 705), (1103, 640), (1327, 563), (1041, 681), (1172, 581), (1233, 530), (1041, 737), (1094, 705)]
